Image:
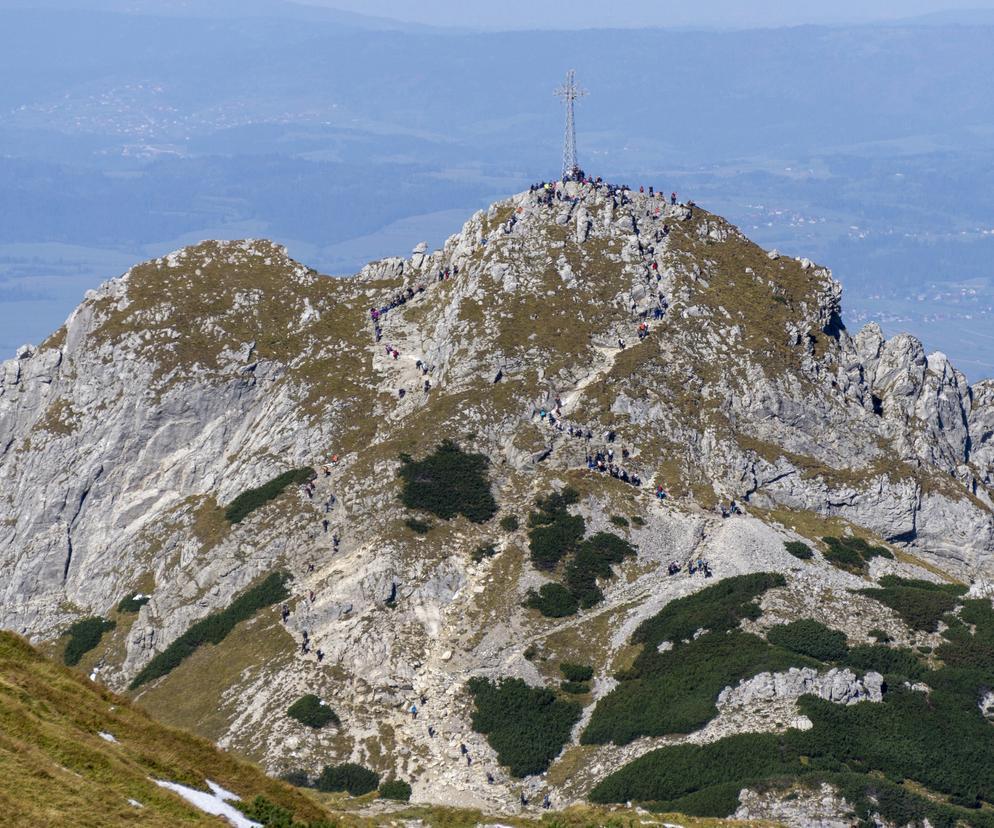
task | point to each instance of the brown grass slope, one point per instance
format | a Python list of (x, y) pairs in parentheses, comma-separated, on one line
[(56, 769)]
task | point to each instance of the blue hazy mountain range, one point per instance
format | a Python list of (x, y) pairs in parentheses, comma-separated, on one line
[(126, 131)]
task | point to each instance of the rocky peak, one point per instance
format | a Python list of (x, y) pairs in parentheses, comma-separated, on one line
[(556, 324)]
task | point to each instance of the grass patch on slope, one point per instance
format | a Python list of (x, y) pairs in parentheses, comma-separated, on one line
[(215, 627), (55, 768), (247, 502)]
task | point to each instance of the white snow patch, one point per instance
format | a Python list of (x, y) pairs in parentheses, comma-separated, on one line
[(107, 737), (135, 803), (214, 803)]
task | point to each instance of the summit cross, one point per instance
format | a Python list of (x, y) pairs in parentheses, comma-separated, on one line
[(569, 92)]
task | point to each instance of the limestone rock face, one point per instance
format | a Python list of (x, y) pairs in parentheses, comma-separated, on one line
[(836, 686), (711, 369)]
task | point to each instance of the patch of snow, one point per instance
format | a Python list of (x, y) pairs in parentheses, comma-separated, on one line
[(135, 803), (107, 737), (214, 803)]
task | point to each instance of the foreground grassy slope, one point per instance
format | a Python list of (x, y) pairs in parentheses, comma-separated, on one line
[(56, 768)]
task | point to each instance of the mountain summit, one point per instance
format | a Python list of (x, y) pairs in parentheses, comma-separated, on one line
[(488, 461)]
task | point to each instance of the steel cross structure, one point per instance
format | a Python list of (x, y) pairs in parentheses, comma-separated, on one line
[(569, 92)]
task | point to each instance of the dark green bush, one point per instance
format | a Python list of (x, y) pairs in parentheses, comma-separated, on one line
[(880, 636), (576, 672), (888, 661), (299, 778), (620, 521), (675, 691), (809, 638), (550, 543), (853, 554), (215, 627), (510, 523), (938, 740), (247, 502), (554, 532), (449, 482), (396, 789), (920, 609), (672, 773), (552, 600), (592, 560), (350, 777), (638, 520), (485, 550), (799, 550), (914, 583), (717, 608), (419, 527), (132, 603), (527, 726), (549, 506), (311, 711), (577, 688), (84, 635)]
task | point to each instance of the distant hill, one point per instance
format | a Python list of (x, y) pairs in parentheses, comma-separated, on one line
[(956, 17), (221, 10)]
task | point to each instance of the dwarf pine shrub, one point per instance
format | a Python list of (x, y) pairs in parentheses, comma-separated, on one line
[(350, 777), (311, 711), (447, 483), (247, 502), (527, 726), (84, 636), (396, 789), (215, 627)]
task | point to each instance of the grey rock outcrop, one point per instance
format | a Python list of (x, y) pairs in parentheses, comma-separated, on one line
[(839, 686)]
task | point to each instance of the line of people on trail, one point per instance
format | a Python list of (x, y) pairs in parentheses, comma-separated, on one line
[(694, 566), (402, 298), (733, 509), (399, 299), (601, 462), (463, 750), (305, 644), (546, 800)]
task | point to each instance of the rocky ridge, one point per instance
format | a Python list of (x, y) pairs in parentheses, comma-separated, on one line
[(194, 377)]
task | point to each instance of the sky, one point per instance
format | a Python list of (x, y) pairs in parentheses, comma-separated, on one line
[(564, 14)]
